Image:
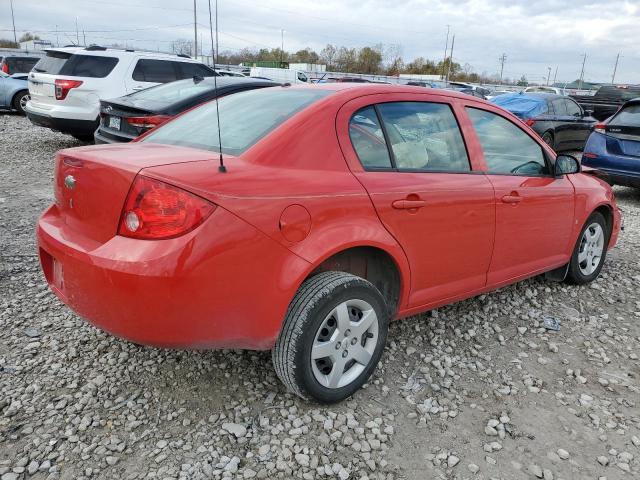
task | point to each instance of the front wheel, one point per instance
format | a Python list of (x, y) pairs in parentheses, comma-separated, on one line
[(20, 101), (590, 251), (332, 337)]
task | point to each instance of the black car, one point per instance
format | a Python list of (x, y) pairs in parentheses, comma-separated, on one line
[(12, 64), (558, 119), (125, 118), (608, 99)]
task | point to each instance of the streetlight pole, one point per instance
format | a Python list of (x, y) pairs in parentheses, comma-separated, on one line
[(195, 30), (281, 46), (502, 59), (13, 20), (615, 68), (453, 41), (446, 46), (582, 71), (548, 75)]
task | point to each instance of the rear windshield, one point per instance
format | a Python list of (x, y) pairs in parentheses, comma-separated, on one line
[(245, 118), (522, 106), (627, 117), (63, 63), (174, 91), (21, 64)]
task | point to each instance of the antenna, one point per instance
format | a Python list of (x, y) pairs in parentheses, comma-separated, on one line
[(214, 54)]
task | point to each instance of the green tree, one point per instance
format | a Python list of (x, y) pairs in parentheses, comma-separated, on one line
[(6, 43), (523, 82), (28, 36)]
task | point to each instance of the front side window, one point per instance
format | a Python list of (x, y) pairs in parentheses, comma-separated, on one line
[(573, 109), (507, 149), (368, 139), (245, 118), (190, 70), (424, 136), (560, 107), (157, 71)]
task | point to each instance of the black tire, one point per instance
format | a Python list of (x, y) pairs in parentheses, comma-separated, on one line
[(313, 304), (85, 138), (20, 100), (575, 274), (547, 137)]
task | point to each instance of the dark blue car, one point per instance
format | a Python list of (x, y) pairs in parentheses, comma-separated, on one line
[(614, 146)]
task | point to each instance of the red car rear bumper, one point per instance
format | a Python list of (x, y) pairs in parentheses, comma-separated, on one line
[(195, 291)]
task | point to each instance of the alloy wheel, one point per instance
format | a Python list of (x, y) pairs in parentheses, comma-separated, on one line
[(591, 249), (23, 101), (344, 344)]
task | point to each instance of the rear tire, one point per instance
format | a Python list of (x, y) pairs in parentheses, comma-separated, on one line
[(20, 101), (548, 139), (332, 337), (590, 251)]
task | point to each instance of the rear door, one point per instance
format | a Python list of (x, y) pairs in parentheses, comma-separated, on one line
[(580, 124), (409, 154), (534, 209)]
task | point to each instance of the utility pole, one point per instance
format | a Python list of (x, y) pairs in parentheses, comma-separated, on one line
[(584, 60), (77, 33), (57, 39), (453, 41), (615, 68), (281, 46), (13, 20), (548, 75), (195, 29), (502, 59), (555, 75), (84, 38), (446, 46)]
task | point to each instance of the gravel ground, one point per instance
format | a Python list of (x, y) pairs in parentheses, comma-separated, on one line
[(475, 390)]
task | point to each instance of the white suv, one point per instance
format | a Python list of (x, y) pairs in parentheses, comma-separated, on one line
[(67, 85)]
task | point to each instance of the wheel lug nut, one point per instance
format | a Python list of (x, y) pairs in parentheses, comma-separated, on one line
[(354, 340), (347, 332), (338, 345), (345, 353)]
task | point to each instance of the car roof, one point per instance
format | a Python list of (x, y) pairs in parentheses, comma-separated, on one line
[(355, 89), (110, 52)]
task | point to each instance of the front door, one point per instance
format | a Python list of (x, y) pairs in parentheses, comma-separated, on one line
[(417, 172), (534, 209)]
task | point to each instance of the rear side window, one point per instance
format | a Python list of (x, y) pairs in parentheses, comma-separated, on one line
[(368, 139), (91, 66), (629, 116), (508, 150), (190, 70), (424, 136), (245, 118), (158, 71), (52, 63)]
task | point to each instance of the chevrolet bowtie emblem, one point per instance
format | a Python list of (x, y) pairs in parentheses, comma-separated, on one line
[(69, 182)]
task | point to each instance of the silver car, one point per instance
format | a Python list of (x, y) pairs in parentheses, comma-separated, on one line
[(14, 91)]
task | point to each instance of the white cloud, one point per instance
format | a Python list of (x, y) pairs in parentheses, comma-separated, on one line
[(533, 34)]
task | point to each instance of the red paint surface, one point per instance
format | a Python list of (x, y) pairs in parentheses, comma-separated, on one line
[(293, 200)]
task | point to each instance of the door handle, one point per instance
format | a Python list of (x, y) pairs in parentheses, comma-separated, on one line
[(408, 204), (513, 198)]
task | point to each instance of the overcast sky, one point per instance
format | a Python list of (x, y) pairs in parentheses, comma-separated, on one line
[(534, 34)]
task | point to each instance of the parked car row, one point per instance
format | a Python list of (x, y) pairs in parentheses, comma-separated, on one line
[(14, 92)]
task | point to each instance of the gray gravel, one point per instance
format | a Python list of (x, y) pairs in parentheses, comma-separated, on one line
[(475, 390)]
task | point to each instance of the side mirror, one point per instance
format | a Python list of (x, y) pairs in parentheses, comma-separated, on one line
[(565, 165), (588, 113)]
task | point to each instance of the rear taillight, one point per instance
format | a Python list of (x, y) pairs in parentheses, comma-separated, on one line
[(147, 122), (530, 121), (155, 210), (5, 68), (63, 87), (600, 127)]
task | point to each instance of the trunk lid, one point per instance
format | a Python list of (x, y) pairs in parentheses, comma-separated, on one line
[(114, 115), (92, 183)]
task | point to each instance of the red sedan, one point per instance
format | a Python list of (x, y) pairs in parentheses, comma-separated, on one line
[(342, 207)]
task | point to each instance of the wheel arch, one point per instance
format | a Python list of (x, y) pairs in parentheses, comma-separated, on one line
[(16, 93), (384, 268)]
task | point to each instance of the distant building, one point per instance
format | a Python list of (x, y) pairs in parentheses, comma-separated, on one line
[(36, 45), (308, 67)]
